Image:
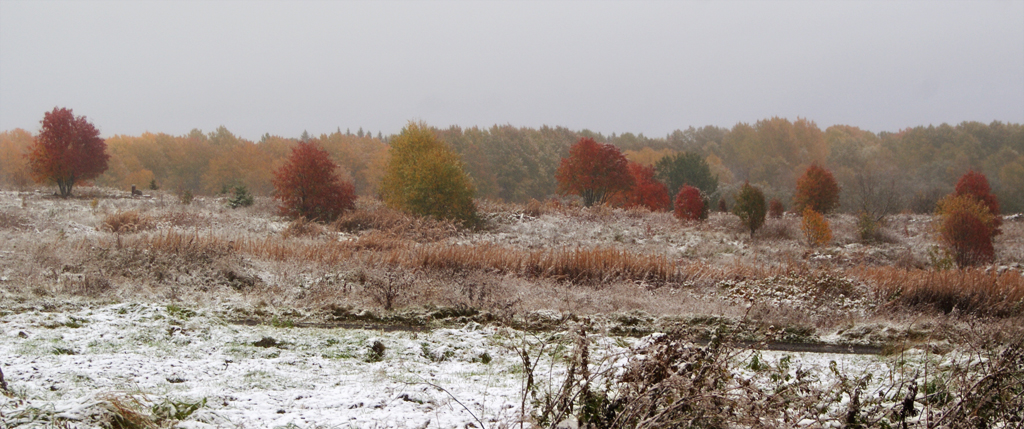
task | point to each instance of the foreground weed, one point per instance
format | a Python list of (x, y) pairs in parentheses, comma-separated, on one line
[(176, 409)]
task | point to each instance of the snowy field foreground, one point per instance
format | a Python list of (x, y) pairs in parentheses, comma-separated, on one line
[(77, 368)]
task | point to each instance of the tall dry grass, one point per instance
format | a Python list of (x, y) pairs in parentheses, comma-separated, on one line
[(575, 265), (974, 291), (394, 222)]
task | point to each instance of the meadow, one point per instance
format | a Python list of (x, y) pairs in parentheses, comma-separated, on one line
[(617, 307)]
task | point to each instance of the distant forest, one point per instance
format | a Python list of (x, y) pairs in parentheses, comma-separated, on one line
[(907, 170)]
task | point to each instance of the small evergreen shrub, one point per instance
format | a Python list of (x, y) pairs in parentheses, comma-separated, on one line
[(750, 207), (868, 229), (240, 197)]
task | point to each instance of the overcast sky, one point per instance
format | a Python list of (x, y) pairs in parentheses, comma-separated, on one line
[(285, 67)]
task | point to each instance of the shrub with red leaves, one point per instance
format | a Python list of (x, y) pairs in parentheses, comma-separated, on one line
[(646, 191), (690, 204), (308, 186), (966, 226), (975, 184), (817, 189), (593, 171)]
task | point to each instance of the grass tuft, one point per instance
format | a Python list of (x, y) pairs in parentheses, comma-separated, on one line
[(127, 222)]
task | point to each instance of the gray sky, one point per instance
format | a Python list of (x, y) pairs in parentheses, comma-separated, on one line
[(285, 67)]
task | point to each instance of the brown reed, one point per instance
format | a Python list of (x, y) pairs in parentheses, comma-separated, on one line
[(976, 291)]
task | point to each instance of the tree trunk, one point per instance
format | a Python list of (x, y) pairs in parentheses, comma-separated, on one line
[(65, 187)]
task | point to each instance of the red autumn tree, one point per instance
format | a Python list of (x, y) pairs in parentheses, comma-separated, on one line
[(690, 204), (593, 171), (975, 185), (67, 150), (647, 191), (308, 186), (817, 189)]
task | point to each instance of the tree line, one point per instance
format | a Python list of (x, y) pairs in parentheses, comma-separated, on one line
[(887, 172)]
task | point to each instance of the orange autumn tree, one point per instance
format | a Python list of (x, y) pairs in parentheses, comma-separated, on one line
[(646, 191), (966, 226), (67, 150), (593, 171), (817, 189), (14, 145), (968, 220), (308, 185)]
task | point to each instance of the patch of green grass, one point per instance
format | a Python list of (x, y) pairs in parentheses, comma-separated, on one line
[(81, 379), (72, 322), (338, 354), (484, 358), (435, 356), (175, 409), (180, 312), (282, 323), (100, 346), (63, 351)]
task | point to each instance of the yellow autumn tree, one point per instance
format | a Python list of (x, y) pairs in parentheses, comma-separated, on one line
[(648, 156), (425, 177)]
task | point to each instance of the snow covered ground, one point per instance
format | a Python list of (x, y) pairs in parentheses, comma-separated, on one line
[(74, 364)]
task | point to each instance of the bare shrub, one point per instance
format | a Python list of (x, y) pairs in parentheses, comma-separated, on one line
[(970, 290), (986, 388), (88, 285), (127, 222), (777, 229), (388, 288), (302, 227), (480, 291), (534, 208)]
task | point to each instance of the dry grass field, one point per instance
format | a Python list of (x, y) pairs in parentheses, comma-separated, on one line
[(524, 259), (540, 267)]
